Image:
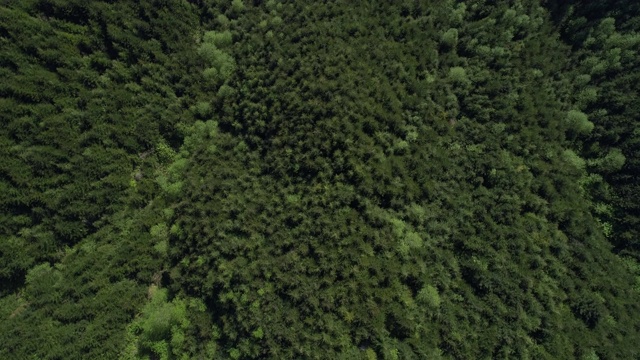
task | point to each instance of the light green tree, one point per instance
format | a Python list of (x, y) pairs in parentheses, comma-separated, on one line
[(159, 331), (458, 74), (610, 163), (573, 159), (450, 37), (578, 122)]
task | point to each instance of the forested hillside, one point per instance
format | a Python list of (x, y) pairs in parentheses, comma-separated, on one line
[(220, 179)]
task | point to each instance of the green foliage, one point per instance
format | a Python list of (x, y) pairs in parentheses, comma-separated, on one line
[(40, 282), (611, 163), (573, 160), (157, 321), (164, 153), (634, 268), (606, 43), (220, 40), (160, 233), (588, 308), (450, 37), (458, 74), (203, 109), (432, 198), (237, 5), (220, 64), (163, 329), (384, 180), (429, 296), (579, 123)]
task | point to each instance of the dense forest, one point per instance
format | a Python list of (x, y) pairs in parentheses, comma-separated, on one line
[(235, 179)]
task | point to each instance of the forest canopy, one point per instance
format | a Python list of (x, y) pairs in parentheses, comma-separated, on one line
[(216, 179)]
